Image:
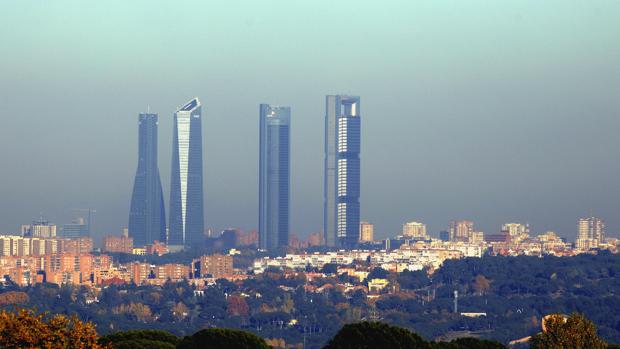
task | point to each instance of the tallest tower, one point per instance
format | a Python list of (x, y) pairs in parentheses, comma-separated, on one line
[(186, 193), (342, 171)]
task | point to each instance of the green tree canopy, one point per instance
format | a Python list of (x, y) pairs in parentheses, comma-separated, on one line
[(575, 332), (141, 339), (370, 335), (223, 338)]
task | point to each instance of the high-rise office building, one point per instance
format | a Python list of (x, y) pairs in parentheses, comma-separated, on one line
[(367, 232), (147, 217), (186, 193), (76, 229), (591, 232), (415, 230), (274, 176), (461, 230), (341, 193)]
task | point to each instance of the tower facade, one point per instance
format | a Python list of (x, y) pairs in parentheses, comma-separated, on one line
[(341, 193), (147, 218), (415, 230), (367, 232), (591, 232), (186, 187), (461, 230), (274, 176)]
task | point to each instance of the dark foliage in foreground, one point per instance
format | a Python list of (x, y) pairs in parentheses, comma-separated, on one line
[(222, 338), (141, 339)]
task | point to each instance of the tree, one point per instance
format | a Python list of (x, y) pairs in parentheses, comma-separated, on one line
[(237, 306), (469, 343), (13, 297), (378, 273), (144, 339), (223, 338), (136, 311), (575, 331), (481, 284), (180, 311), (25, 329), (370, 335), (329, 268)]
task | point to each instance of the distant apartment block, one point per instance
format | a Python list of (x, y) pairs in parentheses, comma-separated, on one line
[(57, 268), (215, 266), (39, 229), (145, 273), (590, 233), (117, 244), (516, 230), (415, 230), (13, 245), (367, 232), (461, 230), (156, 248)]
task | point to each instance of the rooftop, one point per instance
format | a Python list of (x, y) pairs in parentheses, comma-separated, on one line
[(191, 105)]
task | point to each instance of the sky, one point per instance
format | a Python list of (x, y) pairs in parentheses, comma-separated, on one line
[(493, 111)]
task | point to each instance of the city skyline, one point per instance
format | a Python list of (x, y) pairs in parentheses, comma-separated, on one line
[(483, 111), (471, 202)]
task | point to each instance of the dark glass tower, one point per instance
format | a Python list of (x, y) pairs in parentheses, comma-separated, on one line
[(342, 171), (186, 197), (147, 218), (274, 176)]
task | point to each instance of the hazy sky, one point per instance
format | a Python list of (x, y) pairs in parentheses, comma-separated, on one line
[(493, 111)]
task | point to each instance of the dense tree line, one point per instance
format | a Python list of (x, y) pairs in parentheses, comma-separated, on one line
[(26, 329), (514, 292)]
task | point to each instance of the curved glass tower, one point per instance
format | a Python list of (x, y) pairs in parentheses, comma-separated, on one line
[(341, 194), (186, 196), (147, 218), (274, 177)]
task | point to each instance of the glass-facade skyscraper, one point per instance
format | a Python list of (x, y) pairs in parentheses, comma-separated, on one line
[(341, 193), (274, 176), (147, 218), (186, 187)]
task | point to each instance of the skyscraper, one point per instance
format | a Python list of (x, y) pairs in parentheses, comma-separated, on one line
[(341, 208), (186, 197), (274, 176), (147, 217)]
